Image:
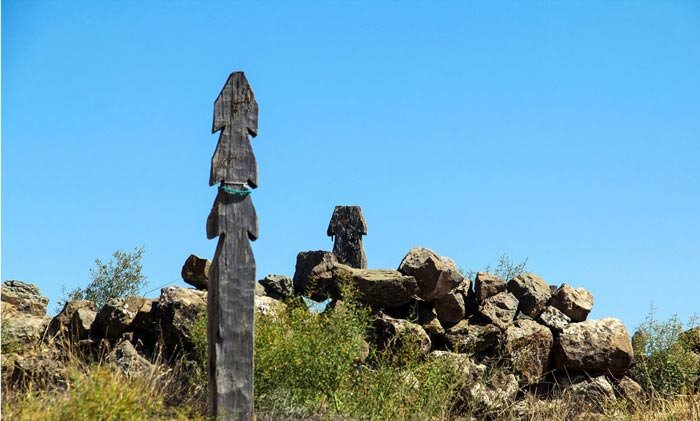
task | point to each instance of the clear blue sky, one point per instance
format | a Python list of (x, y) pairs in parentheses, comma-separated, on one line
[(567, 133)]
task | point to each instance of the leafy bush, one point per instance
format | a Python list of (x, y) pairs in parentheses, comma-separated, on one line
[(119, 277), (305, 355), (665, 364)]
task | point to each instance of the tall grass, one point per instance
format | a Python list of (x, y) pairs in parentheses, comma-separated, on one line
[(665, 364), (315, 366)]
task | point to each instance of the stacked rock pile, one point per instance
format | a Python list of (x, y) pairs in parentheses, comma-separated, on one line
[(540, 331)]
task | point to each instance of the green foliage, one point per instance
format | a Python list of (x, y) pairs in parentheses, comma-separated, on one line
[(665, 363), (505, 268), (119, 277), (307, 356)]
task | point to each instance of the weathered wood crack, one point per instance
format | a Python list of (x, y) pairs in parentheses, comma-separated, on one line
[(232, 274)]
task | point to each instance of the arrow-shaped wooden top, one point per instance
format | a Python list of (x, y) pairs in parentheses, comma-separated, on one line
[(236, 115)]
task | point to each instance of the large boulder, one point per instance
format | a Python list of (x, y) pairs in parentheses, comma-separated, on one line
[(528, 346), (25, 297), (487, 285), (177, 310), (115, 317), (60, 324), (396, 333), (436, 276), (531, 291), (594, 392), (629, 389), (500, 309), (481, 392), (146, 326), (39, 370), (574, 302), (466, 337), (451, 307), (380, 288), (594, 346), (81, 323), (21, 329), (313, 275), (279, 287), (129, 361), (195, 271)]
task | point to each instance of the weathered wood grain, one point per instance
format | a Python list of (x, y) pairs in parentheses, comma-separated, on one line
[(347, 226), (232, 274), (236, 115)]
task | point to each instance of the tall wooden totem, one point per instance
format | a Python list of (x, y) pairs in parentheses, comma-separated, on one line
[(232, 273)]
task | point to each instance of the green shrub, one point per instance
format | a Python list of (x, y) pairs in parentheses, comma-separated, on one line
[(307, 356), (417, 390), (119, 277), (664, 364)]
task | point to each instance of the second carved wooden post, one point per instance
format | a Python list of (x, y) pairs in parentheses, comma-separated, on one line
[(232, 275)]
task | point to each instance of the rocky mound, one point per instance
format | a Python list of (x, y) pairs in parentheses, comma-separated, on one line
[(540, 333)]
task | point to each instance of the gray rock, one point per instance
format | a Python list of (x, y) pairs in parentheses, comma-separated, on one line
[(22, 329), (487, 285), (630, 390), (493, 394), (500, 309), (395, 333), (314, 273), (195, 271), (177, 310), (595, 392), (554, 319), (115, 317), (436, 276), (279, 287), (259, 289), (531, 291), (129, 361), (60, 324), (594, 346), (146, 325), (481, 392), (40, 370), (81, 323), (25, 297), (380, 288), (528, 346), (450, 308), (574, 302), (471, 338)]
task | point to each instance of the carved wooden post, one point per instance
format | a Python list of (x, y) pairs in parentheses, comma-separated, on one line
[(232, 273), (348, 226)]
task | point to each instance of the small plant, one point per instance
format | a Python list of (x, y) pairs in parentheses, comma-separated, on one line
[(505, 268), (119, 277), (665, 363)]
